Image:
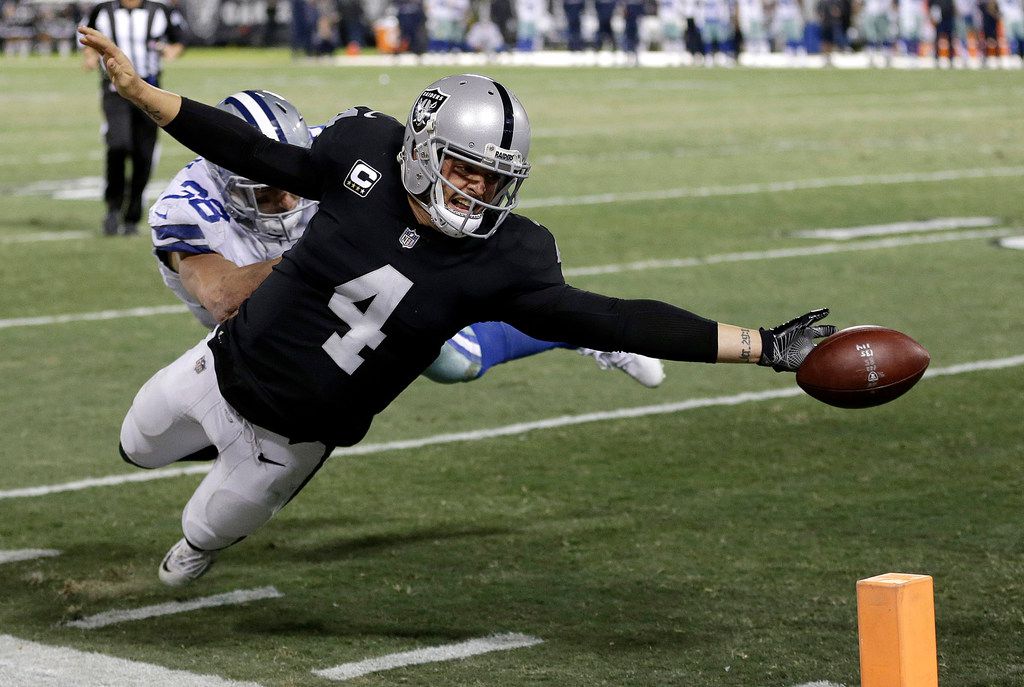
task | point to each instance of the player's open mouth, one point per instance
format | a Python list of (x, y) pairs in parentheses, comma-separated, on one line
[(461, 206)]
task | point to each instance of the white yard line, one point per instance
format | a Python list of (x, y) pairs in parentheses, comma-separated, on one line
[(568, 421), (239, 596), (1014, 242), (90, 188), (937, 224), (39, 665), (15, 555), (81, 188), (820, 683), (110, 480), (91, 316), (774, 187), (507, 430), (780, 253), (447, 652), (641, 265), (641, 411), (47, 236)]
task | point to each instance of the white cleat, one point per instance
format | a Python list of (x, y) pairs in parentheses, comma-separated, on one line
[(648, 371), (183, 565)]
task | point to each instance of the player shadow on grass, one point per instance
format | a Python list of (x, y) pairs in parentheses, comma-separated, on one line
[(342, 548)]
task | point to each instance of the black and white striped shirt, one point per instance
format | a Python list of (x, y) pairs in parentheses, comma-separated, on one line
[(140, 32)]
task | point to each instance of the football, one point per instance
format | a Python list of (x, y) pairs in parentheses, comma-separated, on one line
[(862, 366)]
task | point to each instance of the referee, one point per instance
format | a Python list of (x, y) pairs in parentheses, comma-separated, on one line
[(148, 32)]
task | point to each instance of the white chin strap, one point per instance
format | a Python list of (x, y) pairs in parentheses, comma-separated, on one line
[(452, 223), (449, 221)]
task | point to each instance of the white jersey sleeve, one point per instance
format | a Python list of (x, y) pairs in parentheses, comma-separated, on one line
[(191, 218)]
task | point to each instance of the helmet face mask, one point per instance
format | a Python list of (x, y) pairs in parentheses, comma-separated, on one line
[(243, 202), (474, 120), (467, 220), (278, 119)]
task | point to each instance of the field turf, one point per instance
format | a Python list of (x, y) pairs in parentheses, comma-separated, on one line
[(718, 545)]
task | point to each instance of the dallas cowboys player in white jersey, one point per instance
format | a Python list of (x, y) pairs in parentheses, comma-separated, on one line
[(217, 236)]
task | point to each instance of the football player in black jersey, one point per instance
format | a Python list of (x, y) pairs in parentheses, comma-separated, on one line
[(414, 239)]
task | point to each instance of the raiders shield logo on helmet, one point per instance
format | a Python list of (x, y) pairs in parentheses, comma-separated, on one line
[(430, 101)]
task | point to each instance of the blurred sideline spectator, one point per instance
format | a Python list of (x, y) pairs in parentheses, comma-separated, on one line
[(302, 27), (484, 36), (353, 25), (573, 24), (42, 27), (529, 14), (942, 14), (270, 24), (605, 33), (411, 25), (670, 16), (1012, 14), (911, 26), (325, 37)]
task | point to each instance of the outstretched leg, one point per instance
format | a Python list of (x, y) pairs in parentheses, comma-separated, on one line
[(180, 414), (479, 347)]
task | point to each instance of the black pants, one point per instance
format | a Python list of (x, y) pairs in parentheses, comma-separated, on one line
[(131, 135)]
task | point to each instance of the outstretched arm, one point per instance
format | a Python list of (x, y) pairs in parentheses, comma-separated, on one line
[(661, 330)]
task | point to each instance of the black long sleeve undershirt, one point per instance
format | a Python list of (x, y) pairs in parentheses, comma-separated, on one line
[(648, 327), (225, 140)]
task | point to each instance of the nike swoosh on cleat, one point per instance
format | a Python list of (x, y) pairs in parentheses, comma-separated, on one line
[(161, 215), (263, 459)]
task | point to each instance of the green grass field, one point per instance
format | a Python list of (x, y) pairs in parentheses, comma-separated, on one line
[(713, 546)]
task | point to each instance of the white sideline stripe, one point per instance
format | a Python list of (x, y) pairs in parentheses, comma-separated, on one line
[(447, 652), (28, 663), (820, 683), (110, 480), (15, 555), (641, 411), (90, 316), (507, 430), (779, 253), (776, 254), (90, 188), (937, 224), (774, 187), (46, 236), (977, 366), (569, 420), (1014, 242), (239, 596)]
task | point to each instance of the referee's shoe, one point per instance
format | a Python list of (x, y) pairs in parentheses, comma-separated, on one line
[(111, 223)]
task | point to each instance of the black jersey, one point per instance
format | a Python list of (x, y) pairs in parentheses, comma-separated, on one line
[(363, 302)]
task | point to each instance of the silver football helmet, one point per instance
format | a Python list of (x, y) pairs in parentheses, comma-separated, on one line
[(280, 120), (478, 121)]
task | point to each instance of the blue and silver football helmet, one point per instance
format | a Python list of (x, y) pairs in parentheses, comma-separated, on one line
[(277, 119), (477, 120)]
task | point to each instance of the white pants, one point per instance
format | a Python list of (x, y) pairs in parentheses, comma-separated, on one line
[(180, 413)]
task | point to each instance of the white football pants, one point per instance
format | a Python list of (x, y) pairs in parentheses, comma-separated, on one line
[(180, 413)]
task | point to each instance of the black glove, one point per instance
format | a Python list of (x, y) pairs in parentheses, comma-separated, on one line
[(783, 348)]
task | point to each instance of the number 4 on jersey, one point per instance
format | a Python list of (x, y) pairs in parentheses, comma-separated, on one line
[(387, 287)]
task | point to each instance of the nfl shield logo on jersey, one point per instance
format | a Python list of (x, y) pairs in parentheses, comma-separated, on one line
[(408, 238), (430, 102)]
